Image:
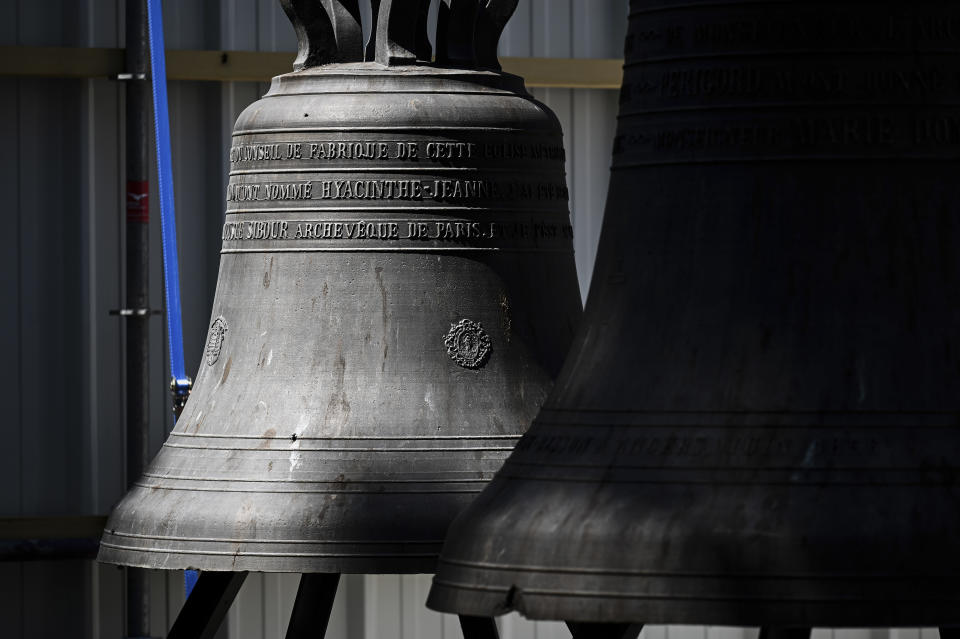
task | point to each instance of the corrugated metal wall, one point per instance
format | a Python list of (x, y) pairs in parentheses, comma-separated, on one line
[(62, 271)]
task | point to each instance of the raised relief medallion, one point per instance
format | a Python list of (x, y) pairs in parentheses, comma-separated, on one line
[(468, 344), (218, 331)]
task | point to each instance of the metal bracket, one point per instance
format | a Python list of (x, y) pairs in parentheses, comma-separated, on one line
[(135, 312), (122, 77), (180, 392)]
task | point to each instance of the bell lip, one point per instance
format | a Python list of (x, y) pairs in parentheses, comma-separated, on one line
[(479, 578), (395, 564), (485, 601), (453, 599)]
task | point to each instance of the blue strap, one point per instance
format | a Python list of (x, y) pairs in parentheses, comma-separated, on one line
[(168, 223), (190, 580), (180, 385)]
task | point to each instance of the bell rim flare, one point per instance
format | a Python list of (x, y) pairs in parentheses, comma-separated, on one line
[(652, 590)]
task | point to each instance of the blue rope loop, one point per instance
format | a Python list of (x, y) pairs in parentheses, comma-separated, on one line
[(180, 385)]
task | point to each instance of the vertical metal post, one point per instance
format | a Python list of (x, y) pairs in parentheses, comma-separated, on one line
[(581, 630), (311, 610), (203, 612), (776, 632), (478, 627), (137, 290)]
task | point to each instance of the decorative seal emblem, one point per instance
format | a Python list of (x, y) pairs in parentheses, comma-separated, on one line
[(468, 344), (218, 331)]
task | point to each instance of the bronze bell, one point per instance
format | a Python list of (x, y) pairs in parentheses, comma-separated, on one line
[(396, 294), (758, 421)]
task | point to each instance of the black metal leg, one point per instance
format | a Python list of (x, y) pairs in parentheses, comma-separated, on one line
[(581, 630), (207, 605), (776, 632), (311, 610), (478, 627)]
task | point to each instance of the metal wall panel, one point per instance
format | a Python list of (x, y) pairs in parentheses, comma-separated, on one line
[(59, 268), (11, 574)]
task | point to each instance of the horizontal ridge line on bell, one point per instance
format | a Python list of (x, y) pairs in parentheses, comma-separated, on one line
[(233, 553), (838, 411), (702, 5), (311, 492), (351, 438), (775, 53), (449, 449), (715, 419), (334, 480), (480, 565), (384, 129), (492, 92), (777, 105), (729, 469), (785, 158), (396, 249), (349, 170), (607, 480), (766, 425), (698, 596), (380, 209), (238, 540)]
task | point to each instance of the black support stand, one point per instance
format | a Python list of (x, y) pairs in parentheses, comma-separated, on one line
[(775, 632), (207, 605), (204, 610), (581, 630), (311, 611), (478, 627)]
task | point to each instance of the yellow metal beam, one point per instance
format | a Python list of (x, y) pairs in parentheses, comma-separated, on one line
[(227, 66), (567, 73), (255, 66), (60, 62)]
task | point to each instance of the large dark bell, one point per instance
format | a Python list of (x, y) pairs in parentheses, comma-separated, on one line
[(396, 294), (758, 421)]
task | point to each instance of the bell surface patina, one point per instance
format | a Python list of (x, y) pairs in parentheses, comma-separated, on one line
[(758, 421), (397, 292)]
